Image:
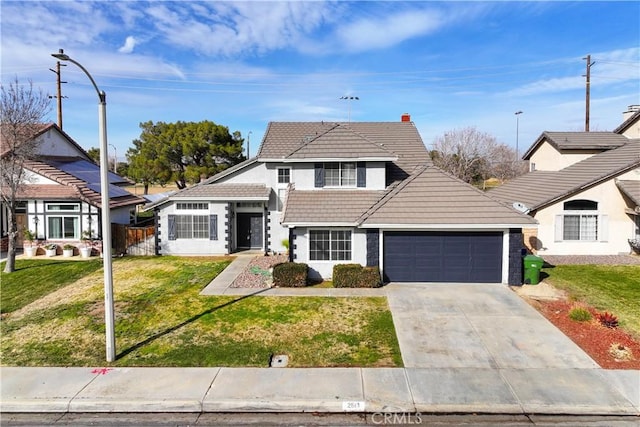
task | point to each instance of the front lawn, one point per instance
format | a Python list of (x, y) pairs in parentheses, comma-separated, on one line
[(161, 320), (615, 289)]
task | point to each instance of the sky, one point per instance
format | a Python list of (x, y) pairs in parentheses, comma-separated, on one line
[(242, 64)]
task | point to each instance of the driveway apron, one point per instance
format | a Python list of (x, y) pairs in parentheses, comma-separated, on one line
[(446, 325)]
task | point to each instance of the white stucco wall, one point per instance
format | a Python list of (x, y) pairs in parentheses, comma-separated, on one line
[(610, 203), (547, 158), (89, 218), (52, 143), (192, 246), (324, 269)]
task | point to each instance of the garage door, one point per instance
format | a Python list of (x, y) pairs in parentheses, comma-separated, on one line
[(468, 257)]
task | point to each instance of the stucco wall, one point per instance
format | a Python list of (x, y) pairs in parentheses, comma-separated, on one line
[(611, 203), (54, 144), (547, 158), (324, 269), (192, 246)]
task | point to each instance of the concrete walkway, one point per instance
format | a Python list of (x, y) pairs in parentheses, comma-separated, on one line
[(466, 349)]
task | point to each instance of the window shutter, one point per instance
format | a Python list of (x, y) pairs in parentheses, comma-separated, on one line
[(362, 174), (319, 173), (604, 228), (172, 227), (559, 228), (213, 227)]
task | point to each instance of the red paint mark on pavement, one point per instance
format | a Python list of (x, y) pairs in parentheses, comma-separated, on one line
[(101, 371)]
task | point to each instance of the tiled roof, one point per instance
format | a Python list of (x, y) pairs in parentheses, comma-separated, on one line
[(48, 191), (564, 141), (341, 142), (401, 139), (540, 188), (80, 187), (225, 191), (433, 197), (328, 206), (625, 125), (631, 189)]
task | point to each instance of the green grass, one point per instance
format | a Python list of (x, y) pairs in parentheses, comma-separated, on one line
[(161, 320), (33, 279), (607, 288)]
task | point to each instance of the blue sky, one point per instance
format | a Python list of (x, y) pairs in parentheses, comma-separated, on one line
[(242, 64)]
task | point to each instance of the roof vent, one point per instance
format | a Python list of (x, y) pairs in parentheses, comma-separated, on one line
[(406, 117)]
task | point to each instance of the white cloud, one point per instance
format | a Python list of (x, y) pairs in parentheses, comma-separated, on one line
[(389, 30), (129, 45)]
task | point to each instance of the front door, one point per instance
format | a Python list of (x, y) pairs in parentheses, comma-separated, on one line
[(249, 230), (21, 222)]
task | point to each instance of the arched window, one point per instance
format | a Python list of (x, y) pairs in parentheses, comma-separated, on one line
[(581, 205)]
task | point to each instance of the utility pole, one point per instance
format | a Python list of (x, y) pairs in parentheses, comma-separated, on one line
[(59, 96), (588, 94)]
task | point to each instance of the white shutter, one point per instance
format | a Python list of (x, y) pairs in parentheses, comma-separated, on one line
[(603, 234), (559, 228)]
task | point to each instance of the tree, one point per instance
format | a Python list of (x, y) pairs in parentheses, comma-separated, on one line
[(474, 156), (183, 152), (22, 113), (94, 154)]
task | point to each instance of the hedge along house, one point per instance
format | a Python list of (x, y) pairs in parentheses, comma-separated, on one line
[(352, 192), (61, 197)]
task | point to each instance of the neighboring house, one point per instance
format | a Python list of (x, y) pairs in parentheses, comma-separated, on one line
[(354, 192), (584, 191), (61, 197)]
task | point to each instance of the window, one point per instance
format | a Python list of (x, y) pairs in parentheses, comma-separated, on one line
[(192, 206), (581, 222), (63, 207), (193, 227), (284, 175), (250, 204), (340, 174), (63, 227), (330, 245)]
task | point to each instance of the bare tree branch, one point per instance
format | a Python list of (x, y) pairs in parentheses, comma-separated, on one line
[(474, 156), (22, 112)]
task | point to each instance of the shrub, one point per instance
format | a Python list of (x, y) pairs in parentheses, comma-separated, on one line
[(579, 314), (607, 319), (356, 276), (290, 274)]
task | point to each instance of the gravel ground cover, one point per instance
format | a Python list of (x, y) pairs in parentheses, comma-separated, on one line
[(258, 272)]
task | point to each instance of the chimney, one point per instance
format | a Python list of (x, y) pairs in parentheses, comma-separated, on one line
[(631, 110), (406, 117)]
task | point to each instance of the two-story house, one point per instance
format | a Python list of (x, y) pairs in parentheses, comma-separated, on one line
[(584, 190), (358, 192), (61, 196)]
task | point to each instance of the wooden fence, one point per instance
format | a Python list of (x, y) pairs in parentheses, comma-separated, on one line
[(133, 240)]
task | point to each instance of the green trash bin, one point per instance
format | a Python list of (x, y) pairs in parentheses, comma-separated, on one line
[(532, 266)]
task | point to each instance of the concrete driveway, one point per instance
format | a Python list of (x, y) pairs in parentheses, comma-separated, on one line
[(479, 346), (444, 325)]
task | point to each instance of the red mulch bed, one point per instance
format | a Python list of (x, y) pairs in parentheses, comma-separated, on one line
[(596, 340)]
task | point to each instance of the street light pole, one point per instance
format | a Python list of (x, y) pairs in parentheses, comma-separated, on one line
[(105, 211), (517, 113), (115, 158), (350, 98)]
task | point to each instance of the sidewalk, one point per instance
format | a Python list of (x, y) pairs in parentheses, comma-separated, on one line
[(424, 390), (468, 349)]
